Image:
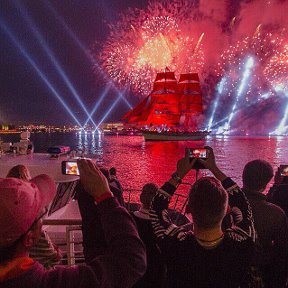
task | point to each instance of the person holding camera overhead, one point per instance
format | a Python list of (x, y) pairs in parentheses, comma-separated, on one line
[(44, 251), (21, 211), (208, 256), (270, 224)]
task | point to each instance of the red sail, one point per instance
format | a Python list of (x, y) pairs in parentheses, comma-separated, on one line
[(140, 113), (165, 82), (169, 104), (191, 98)]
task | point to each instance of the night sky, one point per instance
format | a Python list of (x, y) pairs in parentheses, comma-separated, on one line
[(25, 98)]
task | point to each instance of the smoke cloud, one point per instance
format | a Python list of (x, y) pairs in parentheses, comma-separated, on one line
[(233, 31)]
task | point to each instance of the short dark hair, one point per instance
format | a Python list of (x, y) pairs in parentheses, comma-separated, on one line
[(149, 190), (207, 202), (257, 174), (112, 171), (20, 172), (105, 172)]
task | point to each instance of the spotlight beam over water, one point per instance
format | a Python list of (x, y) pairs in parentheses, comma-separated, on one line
[(243, 84), (220, 88), (39, 72), (264, 97), (51, 56), (86, 51), (248, 65), (107, 88), (109, 110), (282, 127)]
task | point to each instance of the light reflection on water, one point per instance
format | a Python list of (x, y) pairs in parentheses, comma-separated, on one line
[(139, 162)]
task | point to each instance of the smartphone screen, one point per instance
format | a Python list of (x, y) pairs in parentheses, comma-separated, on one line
[(70, 168), (197, 153)]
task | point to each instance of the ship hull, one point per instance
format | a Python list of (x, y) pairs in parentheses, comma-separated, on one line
[(174, 136)]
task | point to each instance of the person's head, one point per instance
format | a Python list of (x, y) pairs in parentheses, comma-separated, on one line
[(256, 175), (207, 203), (112, 171), (20, 172), (105, 172), (148, 192), (22, 205)]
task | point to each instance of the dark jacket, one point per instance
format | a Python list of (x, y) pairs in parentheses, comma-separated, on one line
[(278, 195), (155, 274), (120, 266), (191, 265), (117, 193), (272, 241)]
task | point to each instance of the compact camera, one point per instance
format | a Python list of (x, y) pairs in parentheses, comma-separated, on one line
[(198, 153), (70, 168)]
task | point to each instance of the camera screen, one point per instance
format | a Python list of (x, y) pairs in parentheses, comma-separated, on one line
[(197, 153), (71, 168), (284, 170)]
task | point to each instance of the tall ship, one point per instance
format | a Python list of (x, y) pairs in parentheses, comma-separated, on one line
[(172, 111)]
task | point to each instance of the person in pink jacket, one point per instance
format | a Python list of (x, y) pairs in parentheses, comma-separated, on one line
[(21, 213)]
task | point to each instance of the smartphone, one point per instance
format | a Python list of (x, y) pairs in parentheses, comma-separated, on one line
[(70, 168), (284, 170), (201, 153), (197, 153)]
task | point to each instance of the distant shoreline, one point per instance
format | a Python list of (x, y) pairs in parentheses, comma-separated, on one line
[(9, 131)]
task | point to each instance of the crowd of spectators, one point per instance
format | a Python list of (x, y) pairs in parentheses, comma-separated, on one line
[(238, 236)]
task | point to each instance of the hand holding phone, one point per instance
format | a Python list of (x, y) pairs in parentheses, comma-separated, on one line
[(92, 179), (184, 165), (197, 153)]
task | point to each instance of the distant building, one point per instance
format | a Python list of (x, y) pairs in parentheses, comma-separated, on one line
[(7, 127)]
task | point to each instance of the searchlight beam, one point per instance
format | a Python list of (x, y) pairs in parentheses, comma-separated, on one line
[(51, 56), (39, 72)]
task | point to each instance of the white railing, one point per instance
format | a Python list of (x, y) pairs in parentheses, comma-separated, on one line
[(73, 226), (72, 253)]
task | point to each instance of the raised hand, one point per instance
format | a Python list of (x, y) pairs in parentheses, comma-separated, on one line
[(210, 163), (92, 179), (184, 165)]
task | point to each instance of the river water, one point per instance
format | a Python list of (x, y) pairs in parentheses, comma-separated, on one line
[(139, 162)]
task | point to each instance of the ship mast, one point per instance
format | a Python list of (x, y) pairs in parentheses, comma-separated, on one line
[(170, 103)]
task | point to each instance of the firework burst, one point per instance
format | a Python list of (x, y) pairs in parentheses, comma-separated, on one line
[(143, 43), (270, 53), (188, 36), (277, 68)]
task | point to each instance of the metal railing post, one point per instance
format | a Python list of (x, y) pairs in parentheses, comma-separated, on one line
[(70, 246)]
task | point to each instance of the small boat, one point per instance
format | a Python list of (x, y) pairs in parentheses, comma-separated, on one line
[(174, 136), (57, 151), (172, 111)]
